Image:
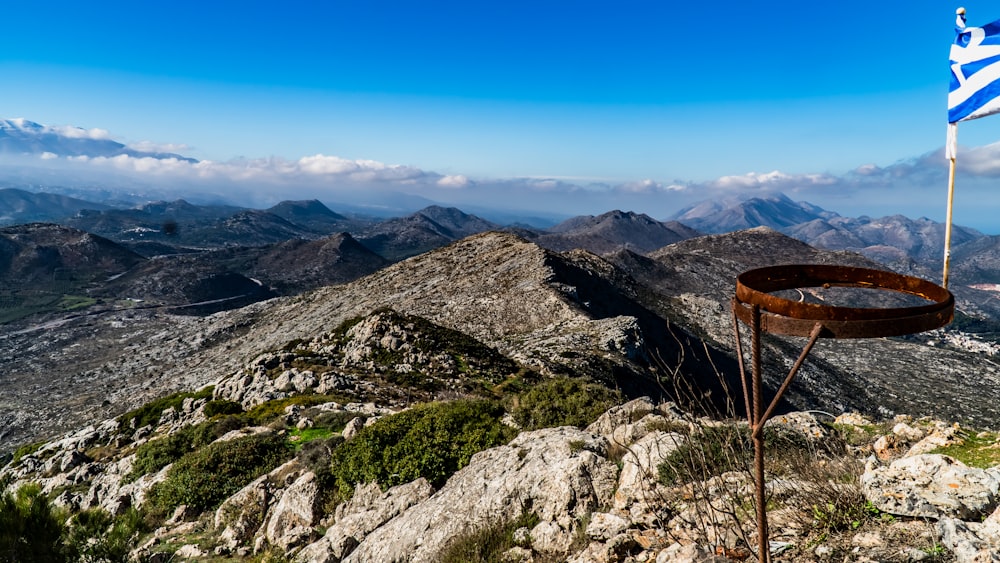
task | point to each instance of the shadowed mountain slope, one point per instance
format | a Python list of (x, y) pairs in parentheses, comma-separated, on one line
[(430, 228), (20, 206), (613, 231)]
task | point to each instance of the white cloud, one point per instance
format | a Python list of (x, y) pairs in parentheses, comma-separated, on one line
[(48, 156), (980, 161), (150, 146), (457, 181), (79, 133)]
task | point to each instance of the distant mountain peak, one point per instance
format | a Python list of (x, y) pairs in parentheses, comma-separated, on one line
[(746, 211), (20, 136)]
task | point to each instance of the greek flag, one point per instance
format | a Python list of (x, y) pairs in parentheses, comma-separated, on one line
[(975, 72)]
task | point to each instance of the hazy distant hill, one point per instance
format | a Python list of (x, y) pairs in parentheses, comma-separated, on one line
[(313, 215), (893, 240), (20, 136), (420, 232), (37, 255), (777, 211), (613, 231), (298, 265), (20, 206), (156, 221), (977, 261)]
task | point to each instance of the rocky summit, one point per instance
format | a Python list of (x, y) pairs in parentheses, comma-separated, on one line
[(490, 400)]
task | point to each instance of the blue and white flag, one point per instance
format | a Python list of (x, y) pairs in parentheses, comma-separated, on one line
[(975, 73)]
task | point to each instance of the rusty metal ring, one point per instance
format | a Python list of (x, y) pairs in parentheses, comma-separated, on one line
[(784, 316)]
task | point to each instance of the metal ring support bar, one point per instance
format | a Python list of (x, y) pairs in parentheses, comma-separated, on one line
[(795, 318)]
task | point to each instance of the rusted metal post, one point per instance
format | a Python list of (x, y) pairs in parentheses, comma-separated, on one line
[(755, 305), (756, 429)]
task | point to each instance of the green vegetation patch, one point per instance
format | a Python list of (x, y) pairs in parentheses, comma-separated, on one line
[(728, 447), (221, 407), (562, 401), (432, 441), (204, 478), (30, 527), (26, 449), (299, 438), (149, 414), (95, 535), (980, 449), (74, 302), (488, 544), (270, 411), (156, 454)]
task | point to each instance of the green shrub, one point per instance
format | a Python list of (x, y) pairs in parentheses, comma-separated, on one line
[(96, 536), (431, 441), (30, 528), (488, 544), (562, 401), (222, 407), (713, 451), (204, 478), (26, 449), (975, 449), (728, 447), (149, 414), (270, 411), (157, 454)]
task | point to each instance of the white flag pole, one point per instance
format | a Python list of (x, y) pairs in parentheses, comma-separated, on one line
[(951, 149), (951, 152)]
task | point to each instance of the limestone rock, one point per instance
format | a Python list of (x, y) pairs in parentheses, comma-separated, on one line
[(931, 486), (368, 509), (972, 542), (352, 428), (799, 422), (292, 519), (538, 470), (604, 526), (640, 467)]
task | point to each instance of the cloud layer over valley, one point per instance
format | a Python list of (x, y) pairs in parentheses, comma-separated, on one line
[(915, 187)]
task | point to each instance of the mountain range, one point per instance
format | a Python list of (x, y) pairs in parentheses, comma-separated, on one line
[(20, 136), (169, 330)]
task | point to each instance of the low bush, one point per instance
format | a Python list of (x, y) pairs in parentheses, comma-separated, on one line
[(149, 414), (713, 451), (222, 407), (270, 411), (562, 401), (204, 478), (157, 454), (30, 527), (488, 544), (26, 449), (431, 441), (96, 536)]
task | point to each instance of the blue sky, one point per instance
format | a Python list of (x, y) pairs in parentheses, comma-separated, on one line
[(578, 106)]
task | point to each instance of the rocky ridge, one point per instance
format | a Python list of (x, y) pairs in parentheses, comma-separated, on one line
[(845, 488)]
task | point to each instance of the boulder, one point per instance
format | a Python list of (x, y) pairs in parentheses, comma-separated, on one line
[(292, 519), (640, 468), (971, 542), (368, 509), (931, 486), (559, 474)]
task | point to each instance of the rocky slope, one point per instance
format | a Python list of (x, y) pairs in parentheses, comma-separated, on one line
[(632, 486), (495, 316)]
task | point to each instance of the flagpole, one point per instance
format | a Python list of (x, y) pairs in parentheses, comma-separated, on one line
[(951, 152), (951, 199)]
